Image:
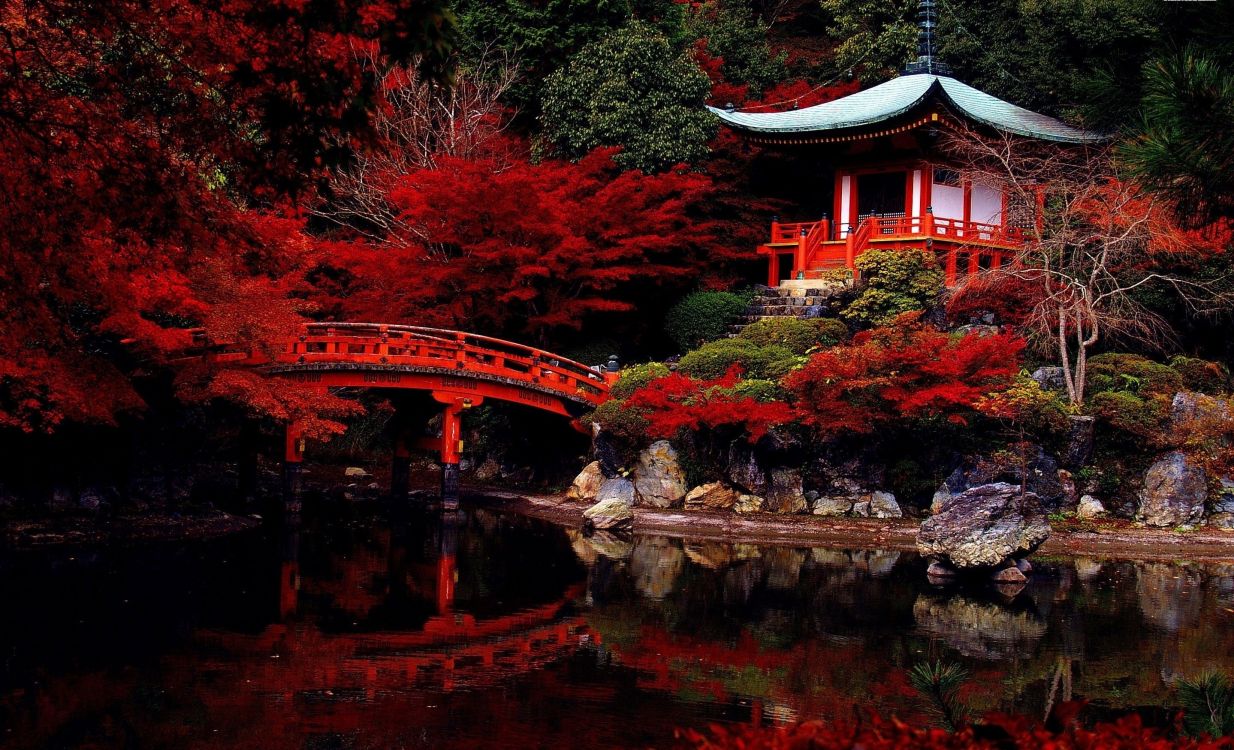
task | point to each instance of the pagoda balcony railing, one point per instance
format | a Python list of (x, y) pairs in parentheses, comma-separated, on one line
[(819, 245)]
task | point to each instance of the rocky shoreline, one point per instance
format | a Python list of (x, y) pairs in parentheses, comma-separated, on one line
[(1110, 540)]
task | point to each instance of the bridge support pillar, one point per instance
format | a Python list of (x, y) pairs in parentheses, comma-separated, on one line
[(451, 445), (293, 464), (451, 451)]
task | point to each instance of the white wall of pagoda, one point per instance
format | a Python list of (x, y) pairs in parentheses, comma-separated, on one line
[(846, 204), (917, 195), (987, 205)]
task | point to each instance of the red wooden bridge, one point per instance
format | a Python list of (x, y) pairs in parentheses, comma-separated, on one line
[(460, 370)]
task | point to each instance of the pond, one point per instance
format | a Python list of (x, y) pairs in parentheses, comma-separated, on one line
[(491, 629)]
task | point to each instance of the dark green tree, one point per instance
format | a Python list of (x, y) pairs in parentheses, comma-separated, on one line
[(632, 89), (1183, 149), (734, 34)]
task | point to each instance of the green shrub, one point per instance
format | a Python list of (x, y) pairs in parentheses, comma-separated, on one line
[(703, 316), (1201, 375), (894, 282), (627, 427), (760, 362), (734, 35), (1132, 373), (1127, 412), (633, 378), (798, 335), (631, 89), (760, 390)]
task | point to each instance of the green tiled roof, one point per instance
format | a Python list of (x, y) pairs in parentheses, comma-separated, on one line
[(899, 96)]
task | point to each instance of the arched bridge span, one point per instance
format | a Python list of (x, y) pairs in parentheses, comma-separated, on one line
[(459, 369)]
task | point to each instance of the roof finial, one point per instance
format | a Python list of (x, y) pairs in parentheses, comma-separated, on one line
[(927, 21)]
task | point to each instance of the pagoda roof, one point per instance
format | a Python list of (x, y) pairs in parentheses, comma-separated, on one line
[(900, 96)]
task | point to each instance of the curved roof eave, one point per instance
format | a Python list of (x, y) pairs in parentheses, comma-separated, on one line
[(900, 95)]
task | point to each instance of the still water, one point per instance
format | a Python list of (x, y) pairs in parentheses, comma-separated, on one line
[(494, 630)]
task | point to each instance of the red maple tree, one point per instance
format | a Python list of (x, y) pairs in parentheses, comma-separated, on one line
[(139, 137), (678, 402), (902, 371), (530, 251)]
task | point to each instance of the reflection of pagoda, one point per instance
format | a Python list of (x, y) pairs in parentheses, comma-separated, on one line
[(891, 188)]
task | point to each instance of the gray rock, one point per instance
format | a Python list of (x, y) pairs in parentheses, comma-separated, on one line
[(979, 329), (1223, 521), (613, 508), (1079, 441), (938, 569), (1050, 378), (1089, 507), (488, 471), (356, 472), (658, 478), (1191, 409), (712, 496), (784, 492), (1174, 492), (861, 508), (587, 484), (832, 505), (744, 470), (1225, 497), (884, 505), (984, 527), (1038, 471)]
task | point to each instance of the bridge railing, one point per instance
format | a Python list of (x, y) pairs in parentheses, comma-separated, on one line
[(417, 346)]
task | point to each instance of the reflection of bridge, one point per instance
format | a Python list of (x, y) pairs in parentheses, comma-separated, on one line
[(459, 370)]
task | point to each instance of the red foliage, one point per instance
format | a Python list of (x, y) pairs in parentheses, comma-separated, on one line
[(799, 94), (723, 92), (677, 402), (134, 132), (531, 250), (876, 733), (902, 371)]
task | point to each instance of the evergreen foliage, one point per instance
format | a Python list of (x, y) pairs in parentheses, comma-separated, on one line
[(703, 316), (798, 335), (939, 683), (715, 358), (1184, 148), (632, 89), (1208, 705), (895, 282), (732, 33)]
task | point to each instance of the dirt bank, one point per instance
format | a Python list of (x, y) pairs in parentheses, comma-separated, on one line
[(1107, 540), (86, 531)]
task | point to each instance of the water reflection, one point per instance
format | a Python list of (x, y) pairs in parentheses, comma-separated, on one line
[(482, 628)]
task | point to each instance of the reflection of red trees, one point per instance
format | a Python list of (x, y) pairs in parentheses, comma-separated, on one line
[(678, 663)]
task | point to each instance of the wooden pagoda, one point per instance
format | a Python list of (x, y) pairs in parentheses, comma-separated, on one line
[(892, 186)]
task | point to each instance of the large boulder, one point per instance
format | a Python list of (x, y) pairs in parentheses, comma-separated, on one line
[(587, 484), (658, 479), (711, 496), (614, 504), (832, 505), (1038, 470), (884, 505), (984, 527), (1089, 508), (1050, 378), (749, 504), (785, 493), (1174, 492), (744, 470)]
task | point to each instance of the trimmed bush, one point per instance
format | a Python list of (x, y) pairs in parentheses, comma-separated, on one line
[(895, 282), (714, 359), (798, 335), (633, 378), (1129, 413), (1133, 373), (703, 316), (760, 390), (1202, 375)]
